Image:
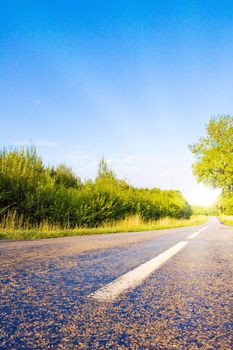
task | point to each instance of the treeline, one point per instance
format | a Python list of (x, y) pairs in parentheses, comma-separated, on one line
[(37, 193), (210, 210)]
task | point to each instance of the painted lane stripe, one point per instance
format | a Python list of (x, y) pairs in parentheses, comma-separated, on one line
[(193, 235), (134, 277)]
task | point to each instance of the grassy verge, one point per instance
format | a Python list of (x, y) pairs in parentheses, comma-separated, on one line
[(226, 219), (128, 225)]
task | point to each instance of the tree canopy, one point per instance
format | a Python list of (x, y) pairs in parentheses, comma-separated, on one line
[(214, 154)]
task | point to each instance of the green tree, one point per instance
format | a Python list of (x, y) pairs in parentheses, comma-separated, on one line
[(104, 171), (21, 174), (65, 176), (214, 154), (225, 203)]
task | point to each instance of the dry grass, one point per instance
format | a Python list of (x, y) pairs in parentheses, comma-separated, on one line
[(226, 219), (11, 227)]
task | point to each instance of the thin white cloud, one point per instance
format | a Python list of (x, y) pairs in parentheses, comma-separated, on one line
[(78, 155)]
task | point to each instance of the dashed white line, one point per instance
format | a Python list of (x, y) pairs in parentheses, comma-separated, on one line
[(134, 277), (193, 235)]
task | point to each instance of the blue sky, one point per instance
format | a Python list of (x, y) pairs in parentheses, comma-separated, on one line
[(135, 81)]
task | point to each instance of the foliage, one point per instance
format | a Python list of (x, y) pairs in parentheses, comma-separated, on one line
[(214, 154), (210, 210), (225, 203), (32, 194), (65, 176), (104, 172), (214, 159), (22, 175), (133, 223)]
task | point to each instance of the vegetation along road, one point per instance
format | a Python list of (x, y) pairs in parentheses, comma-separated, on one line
[(69, 293)]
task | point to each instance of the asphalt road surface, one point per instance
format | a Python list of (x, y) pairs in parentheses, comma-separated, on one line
[(67, 293)]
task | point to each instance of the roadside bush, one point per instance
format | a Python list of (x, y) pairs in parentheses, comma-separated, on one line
[(37, 194)]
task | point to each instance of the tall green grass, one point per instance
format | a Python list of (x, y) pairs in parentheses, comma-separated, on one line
[(9, 229)]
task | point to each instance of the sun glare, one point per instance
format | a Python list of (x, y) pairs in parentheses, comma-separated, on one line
[(203, 195)]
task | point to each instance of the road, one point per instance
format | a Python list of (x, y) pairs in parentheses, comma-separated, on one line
[(67, 293)]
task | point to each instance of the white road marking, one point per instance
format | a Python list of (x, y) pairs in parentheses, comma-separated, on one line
[(134, 277), (193, 235)]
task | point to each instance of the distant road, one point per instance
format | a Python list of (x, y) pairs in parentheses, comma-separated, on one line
[(166, 289)]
